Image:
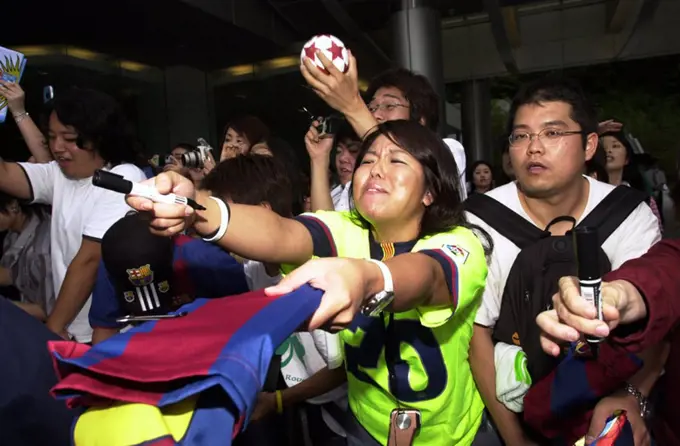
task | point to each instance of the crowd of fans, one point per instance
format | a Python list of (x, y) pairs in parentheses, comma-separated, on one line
[(432, 296)]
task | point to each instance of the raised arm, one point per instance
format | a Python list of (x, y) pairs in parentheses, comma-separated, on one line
[(254, 232), (34, 138), (340, 91), (319, 150), (13, 181)]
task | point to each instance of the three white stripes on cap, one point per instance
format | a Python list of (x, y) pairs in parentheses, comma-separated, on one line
[(148, 297)]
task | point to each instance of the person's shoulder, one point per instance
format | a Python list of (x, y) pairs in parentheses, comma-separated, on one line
[(503, 193), (598, 189), (129, 171), (459, 241), (335, 220)]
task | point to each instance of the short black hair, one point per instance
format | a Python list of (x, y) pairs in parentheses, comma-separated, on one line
[(25, 206), (471, 170), (254, 180), (423, 100), (554, 89), (98, 119), (439, 168), (184, 145)]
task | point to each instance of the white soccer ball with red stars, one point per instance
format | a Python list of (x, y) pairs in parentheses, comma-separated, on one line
[(332, 48)]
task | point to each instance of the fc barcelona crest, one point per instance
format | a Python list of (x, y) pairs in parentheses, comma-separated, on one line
[(164, 286), (141, 276), (129, 296)]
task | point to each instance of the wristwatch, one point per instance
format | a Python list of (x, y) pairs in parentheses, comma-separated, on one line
[(375, 304), (643, 402)]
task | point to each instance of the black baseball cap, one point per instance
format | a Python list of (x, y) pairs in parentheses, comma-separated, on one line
[(140, 265)]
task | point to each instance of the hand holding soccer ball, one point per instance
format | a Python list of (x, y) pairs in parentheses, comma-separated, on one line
[(331, 47), (330, 70)]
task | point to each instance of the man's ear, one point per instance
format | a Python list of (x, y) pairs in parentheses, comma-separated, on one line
[(264, 204), (428, 198), (591, 145)]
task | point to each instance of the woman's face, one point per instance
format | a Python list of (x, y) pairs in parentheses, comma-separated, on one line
[(8, 217), (389, 184), (345, 159), (481, 177), (234, 144), (176, 155), (615, 152)]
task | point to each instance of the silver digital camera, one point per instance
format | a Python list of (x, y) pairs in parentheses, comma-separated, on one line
[(197, 158)]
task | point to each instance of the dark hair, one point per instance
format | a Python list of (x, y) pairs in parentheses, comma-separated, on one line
[(344, 133), (252, 127), (439, 169), (552, 89), (26, 208), (184, 145), (99, 120), (253, 180), (631, 171), (595, 167), (471, 172), (423, 100)]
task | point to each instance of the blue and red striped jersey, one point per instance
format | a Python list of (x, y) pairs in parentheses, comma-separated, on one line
[(212, 362)]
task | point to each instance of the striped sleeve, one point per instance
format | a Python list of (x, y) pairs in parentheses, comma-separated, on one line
[(450, 269), (324, 244)]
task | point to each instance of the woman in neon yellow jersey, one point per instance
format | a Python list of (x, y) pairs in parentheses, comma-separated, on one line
[(408, 219)]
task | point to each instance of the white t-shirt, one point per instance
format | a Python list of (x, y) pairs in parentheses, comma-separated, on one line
[(632, 239), (79, 210), (306, 353), (458, 152), (340, 196)]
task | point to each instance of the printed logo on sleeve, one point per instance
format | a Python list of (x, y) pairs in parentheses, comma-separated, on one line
[(456, 253)]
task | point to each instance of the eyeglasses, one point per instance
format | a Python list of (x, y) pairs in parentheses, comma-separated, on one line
[(547, 137), (387, 107)]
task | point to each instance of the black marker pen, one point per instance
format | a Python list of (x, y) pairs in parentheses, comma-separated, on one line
[(589, 275), (117, 183)]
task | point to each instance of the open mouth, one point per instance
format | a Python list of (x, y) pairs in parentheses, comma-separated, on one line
[(536, 167)]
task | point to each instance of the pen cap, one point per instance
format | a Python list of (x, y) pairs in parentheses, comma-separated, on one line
[(587, 247), (111, 181)]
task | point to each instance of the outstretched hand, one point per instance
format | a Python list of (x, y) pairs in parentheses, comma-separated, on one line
[(167, 219), (346, 285)]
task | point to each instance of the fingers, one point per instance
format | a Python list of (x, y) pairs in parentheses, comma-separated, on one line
[(570, 297), (549, 346), (307, 68), (554, 330), (333, 310), (139, 203), (597, 423), (294, 280), (330, 67), (352, 72), (165, 182)]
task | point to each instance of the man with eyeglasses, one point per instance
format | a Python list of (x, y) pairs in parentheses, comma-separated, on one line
[(394, 94), (552, 133)]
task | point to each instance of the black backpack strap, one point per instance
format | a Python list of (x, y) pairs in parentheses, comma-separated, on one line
[(613, 210), (508, 223)]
